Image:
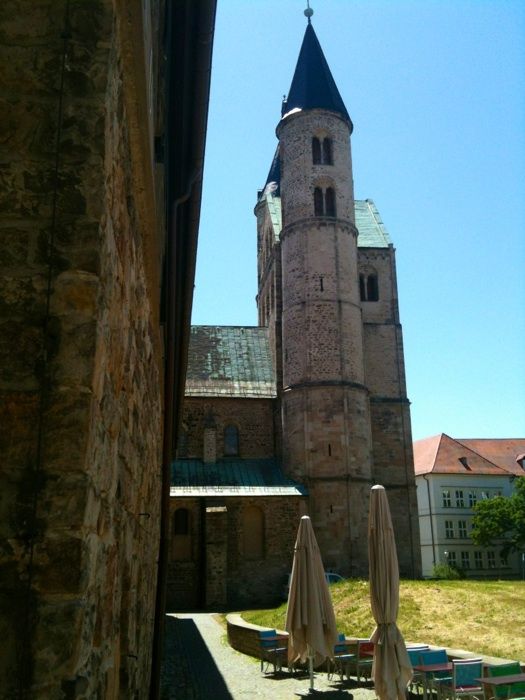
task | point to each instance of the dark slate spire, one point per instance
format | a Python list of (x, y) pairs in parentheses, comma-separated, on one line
[(313, 85)]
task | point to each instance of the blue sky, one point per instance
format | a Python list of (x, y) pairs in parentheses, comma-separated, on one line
[(436, 92)]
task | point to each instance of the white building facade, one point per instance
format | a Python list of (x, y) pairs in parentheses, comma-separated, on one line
[(451, 477)]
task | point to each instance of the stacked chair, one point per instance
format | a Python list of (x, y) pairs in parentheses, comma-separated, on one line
[(416, 684), (357, 662), (434, 680), (360, 663), (341, 657)]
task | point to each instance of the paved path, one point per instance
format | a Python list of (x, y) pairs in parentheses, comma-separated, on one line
[(200, 665)]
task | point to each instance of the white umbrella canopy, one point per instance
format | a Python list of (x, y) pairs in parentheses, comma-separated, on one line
[(391, 670), (310, 618)]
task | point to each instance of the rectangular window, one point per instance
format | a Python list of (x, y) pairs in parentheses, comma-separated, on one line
[(465, 560), (472, 499), (446, 499), (478, 560), (460, 502), (491, 560), (502, 561), (449, 529), (484, 495), (462, 529), (452, 558)]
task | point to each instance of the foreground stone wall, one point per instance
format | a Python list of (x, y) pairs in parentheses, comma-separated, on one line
[(81, 362)]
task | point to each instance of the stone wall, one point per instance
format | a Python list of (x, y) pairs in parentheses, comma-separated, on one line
[(248, 581), (252, 417), (80, 357), (393, 462), (185, 590)]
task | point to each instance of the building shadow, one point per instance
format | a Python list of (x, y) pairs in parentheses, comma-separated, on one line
[(188, 669)]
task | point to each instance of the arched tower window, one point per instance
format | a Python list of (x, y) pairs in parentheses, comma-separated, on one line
[(322, 151), (316, 151), (330, 202), (369, 287), (231, 441), (181, 535), (253, 533), (372, 289), (324, 202), (327, 151)]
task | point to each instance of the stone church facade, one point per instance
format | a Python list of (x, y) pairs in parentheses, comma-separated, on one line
[(306, 411)]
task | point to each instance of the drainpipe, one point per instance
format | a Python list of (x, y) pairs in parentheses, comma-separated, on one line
[(431, 523), (189, 27)]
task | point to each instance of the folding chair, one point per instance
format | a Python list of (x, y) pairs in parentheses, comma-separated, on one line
[(272, 651), (463, 682), (503, 692), (341, 656), (360, 663), (417, 677), (432, 681)]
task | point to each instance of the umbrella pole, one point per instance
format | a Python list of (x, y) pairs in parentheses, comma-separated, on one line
[(311, 667)]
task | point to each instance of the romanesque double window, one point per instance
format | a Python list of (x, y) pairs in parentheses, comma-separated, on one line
[(369, 287), (324, 201), (322, 152)]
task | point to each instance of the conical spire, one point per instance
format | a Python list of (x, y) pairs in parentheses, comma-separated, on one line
[(313, 85)]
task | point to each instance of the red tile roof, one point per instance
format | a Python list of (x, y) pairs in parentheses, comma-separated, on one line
[(442, 454), (502, 452)]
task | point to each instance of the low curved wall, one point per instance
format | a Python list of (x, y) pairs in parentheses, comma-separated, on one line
[(243, 636)]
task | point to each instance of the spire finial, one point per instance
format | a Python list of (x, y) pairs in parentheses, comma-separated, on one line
[(308, 12)]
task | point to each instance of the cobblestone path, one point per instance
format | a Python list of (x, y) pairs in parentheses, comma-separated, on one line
[(200, 665)]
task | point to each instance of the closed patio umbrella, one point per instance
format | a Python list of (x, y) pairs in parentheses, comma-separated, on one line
[(391, 670), (310, 619)]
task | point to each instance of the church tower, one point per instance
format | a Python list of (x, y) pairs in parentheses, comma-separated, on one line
[(326, 421), (315, 289)]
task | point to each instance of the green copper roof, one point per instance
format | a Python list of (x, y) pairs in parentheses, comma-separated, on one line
[(230, 361), (241, 477), (273, 181), (372, 233), (274, 209)]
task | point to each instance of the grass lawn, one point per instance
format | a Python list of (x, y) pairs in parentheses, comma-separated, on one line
[(485, 617)]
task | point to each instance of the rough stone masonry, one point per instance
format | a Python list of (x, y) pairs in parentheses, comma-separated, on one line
[(80, 361)]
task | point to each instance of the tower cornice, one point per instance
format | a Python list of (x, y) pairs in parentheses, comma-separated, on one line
[(343, 225), (298, 113)]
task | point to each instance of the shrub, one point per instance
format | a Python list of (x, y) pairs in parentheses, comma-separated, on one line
[(445, 571)]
